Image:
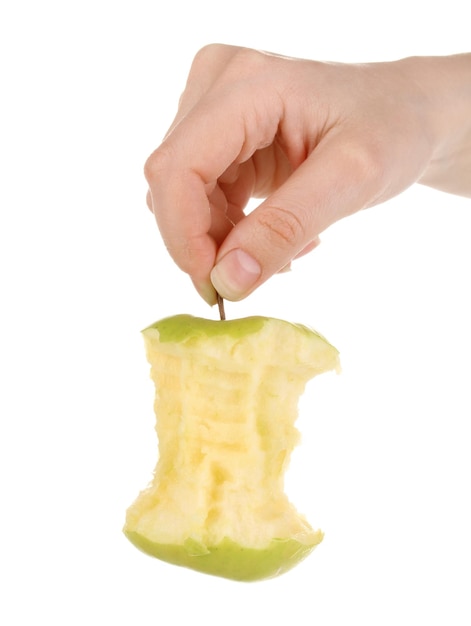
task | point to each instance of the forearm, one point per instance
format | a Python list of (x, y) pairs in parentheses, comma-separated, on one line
[(446, 83)]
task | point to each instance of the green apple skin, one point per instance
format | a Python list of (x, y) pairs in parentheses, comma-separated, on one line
[(229, 559), (179, 328)]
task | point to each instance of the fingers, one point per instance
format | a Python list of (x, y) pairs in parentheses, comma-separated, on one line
[(182, 211), (340, 177), (194, 212)]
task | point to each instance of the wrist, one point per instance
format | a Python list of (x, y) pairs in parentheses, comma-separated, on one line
[(445, 84)]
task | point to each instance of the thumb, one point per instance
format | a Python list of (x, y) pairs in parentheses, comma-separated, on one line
[(335, 181)]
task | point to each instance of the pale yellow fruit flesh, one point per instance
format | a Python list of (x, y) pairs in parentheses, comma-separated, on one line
[(226, 403)]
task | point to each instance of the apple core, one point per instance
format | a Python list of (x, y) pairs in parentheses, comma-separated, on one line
[(226, 403)]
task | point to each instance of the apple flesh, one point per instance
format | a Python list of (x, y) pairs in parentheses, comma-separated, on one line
[(226, 403)]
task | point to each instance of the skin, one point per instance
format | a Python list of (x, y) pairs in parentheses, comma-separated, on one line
[(230, 560), (314, 141), (185, 327)]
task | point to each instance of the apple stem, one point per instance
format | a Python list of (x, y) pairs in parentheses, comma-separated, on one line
[(222, 313)]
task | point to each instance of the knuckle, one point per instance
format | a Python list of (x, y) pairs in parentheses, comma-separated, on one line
[(282, 225), (208, 52), (365, 160), (156, 164), (248, 60), (369, 161), (211, 58), (149, 202)]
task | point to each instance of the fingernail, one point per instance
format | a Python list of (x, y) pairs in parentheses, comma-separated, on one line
[(235, 274), (207, 292)]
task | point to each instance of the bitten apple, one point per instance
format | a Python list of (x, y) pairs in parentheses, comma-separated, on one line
[(226, 403)]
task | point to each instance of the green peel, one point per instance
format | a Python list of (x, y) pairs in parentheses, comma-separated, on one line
[(229, 559)]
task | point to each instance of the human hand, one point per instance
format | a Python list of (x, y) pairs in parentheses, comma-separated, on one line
[(317, 141)]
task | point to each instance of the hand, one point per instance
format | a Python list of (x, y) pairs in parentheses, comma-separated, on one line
[(316, 141)]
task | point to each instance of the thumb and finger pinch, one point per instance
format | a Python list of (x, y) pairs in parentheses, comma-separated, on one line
[(336, 180)]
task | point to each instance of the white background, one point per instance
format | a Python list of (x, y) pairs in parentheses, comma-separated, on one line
[(87, 91)]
